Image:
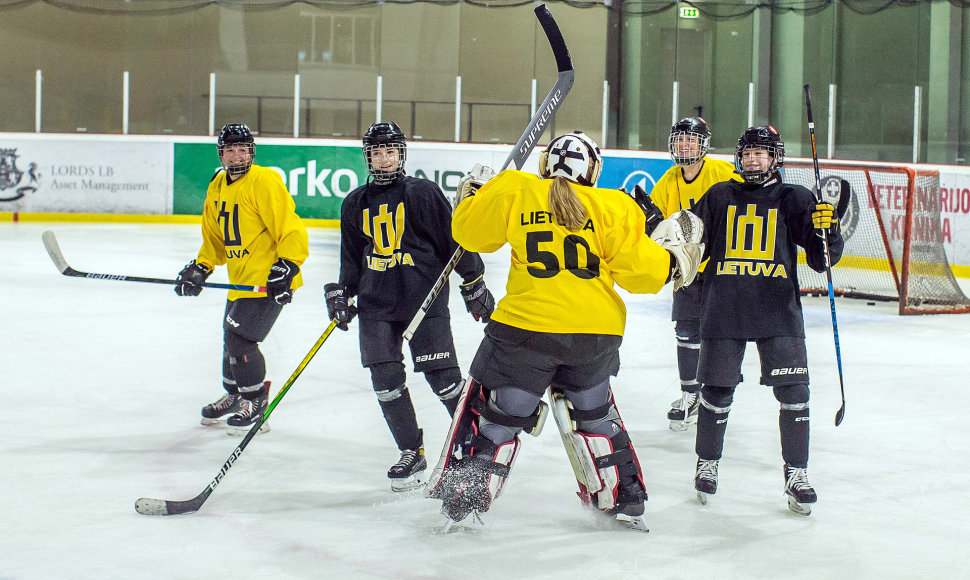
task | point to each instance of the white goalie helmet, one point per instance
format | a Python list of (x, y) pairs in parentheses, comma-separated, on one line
[(574, 156)]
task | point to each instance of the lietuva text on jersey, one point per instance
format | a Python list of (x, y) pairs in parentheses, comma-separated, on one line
[(561, 281), (395, 240), (751, 234), (247, 225)]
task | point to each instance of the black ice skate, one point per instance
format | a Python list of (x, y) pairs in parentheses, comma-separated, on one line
[(683, 412), (800, 493), (631, 516), (408, 472), (249, 413), (705, 479), (214, 413)]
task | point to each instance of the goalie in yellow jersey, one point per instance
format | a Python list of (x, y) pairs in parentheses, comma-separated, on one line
[(250, 224), (559, 326)]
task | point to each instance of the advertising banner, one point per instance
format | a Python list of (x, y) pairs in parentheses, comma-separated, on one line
[(62, 174), (317, 176)]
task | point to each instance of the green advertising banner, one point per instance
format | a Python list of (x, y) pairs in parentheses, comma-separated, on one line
[(318, 177)]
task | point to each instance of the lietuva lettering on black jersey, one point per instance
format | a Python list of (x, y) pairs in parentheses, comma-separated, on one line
[(750, 240), (386, 230)]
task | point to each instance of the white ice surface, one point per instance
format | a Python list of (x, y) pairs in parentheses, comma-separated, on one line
[(102, 382)]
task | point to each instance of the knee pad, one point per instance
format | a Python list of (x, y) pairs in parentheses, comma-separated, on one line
[(792, 397), (717, 399), (446, 383), (688, 333), (388, 380), (601, 454), (246, 363), (469, 454)]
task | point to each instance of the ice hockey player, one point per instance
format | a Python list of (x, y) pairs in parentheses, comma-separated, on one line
[(559, 326), (395, 242), (250, 224), (751, 294), (681, 187)]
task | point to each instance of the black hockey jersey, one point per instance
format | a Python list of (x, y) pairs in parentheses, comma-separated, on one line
[(395, 240), (751, 281)]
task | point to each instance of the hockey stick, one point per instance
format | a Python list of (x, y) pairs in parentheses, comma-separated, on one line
[(54, 251), (828, 261), (161, 507), (523, 147)]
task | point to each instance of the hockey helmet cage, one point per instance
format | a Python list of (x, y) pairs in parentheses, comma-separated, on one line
[(236, 134), (766, 137), (387, 135), (694, 132), (574, 156)]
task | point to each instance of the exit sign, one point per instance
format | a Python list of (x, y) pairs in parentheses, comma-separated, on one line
[(688, 12)]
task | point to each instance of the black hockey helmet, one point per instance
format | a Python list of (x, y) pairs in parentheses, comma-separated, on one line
[(768, 138), (696, 131), (235, 134), (385, 135)]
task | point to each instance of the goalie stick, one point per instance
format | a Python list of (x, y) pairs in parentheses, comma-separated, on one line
[(840, 414), (523, 147), (54, 251), (163, 507)]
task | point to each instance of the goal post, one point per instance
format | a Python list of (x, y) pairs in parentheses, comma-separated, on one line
[(893, 237)]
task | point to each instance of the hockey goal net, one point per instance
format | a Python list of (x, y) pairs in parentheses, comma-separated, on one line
[(893, 237)]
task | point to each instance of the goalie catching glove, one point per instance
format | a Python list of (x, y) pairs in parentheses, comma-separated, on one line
[(681, 235), (469, 184)]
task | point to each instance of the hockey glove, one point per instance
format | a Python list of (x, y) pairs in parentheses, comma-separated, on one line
[(823, 217), (681, 235), (478, 300), (280, 278), (469, 184), (653, 213), (337, 307), (191, 279)]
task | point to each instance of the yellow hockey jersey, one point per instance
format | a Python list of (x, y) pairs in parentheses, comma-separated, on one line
[(562, 281), (248, 225), (672, 194)]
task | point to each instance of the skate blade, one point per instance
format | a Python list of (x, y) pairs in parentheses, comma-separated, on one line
[(803, 509), (702, 497), (632, 522), (676, 425), (453, 526), (416, 481), (238, 431), (213, 422)]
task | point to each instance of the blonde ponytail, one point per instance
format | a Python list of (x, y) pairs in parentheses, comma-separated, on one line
[(566, 208)]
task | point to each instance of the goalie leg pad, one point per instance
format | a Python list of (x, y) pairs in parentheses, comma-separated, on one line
[(602, 456), (479, 450)]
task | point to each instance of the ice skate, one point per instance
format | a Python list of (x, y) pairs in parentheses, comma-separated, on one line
[(800, 493), (631, 516), (705, 479), (228, 404), (408, 472), (249, 413), (683, 412)]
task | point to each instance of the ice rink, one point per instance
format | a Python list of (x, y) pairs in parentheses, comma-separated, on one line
[(103, 381)]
